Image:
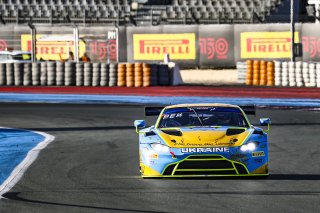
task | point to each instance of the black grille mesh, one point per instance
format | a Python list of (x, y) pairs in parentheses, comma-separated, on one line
[(206, 166)]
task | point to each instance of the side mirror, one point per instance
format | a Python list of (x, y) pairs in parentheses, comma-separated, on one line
[(265, 122), (139, 124)]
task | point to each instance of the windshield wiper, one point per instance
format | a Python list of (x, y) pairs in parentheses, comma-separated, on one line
[(197, 116)]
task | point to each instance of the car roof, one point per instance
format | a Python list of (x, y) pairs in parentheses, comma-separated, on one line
[(15, 52), (202, 105)]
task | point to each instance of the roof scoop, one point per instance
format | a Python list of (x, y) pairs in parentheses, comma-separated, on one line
[(234, 131)]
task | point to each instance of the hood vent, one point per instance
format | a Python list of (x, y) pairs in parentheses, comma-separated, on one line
[(231, 131), (151, 133), (172, 132)]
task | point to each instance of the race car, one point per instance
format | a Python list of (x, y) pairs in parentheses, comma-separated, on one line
[(202, 140)]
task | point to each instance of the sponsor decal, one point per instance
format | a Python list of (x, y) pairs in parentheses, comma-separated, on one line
[(214, 48), (99, 50), (311, 45), (201, 150), (258, 154), (51, 50), (154, 46), (267, 44)]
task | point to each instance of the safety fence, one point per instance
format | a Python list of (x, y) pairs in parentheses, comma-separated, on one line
[(204, 46), (277, 73), (85, 74)]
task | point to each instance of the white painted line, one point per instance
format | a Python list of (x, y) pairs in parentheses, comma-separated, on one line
[(18, 172)]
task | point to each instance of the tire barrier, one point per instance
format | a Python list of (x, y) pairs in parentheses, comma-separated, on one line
[(27, 79), (163, 75), (87, 74), (318, 74), (121, 74), (242, 71), (96, 67), (256, 73), (130, 76), (270, 73), (104, 75), (249, 72), (113, 74), (154, 74), (35, 74), (79, 74), (51, 73), (138, 75), (146, 75), (18, 74), (69, 73), (43, 73), (2, 74), (58, 73), (277, 73)]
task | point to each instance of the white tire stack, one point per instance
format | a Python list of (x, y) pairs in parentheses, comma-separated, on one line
[(284, 74), (298, 73), (69, 73), (27, 74), (43, 75), (104, 75), (305, 73), (35, 74), (87, 74), (9, 74), (95, 74), (18, 74), (51, 73), (292, 76), (242, 70), (2, 74), (277, 73), (312, 74), (113, 75), (318, 74), (60, 73), (79, 74)]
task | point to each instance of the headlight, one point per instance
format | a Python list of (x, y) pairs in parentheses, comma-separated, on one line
[(160, 148), (248, 147)]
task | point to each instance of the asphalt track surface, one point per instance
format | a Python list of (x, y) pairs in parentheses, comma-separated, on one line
[(92, 166)]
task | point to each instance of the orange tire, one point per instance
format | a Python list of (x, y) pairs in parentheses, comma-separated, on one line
[(129, 65)]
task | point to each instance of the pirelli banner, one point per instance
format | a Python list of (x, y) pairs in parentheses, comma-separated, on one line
[(190, 46), (264, 41)]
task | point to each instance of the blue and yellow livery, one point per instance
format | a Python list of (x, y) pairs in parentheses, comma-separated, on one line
[(201, 140)]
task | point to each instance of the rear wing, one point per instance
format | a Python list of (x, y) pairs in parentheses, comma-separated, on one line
[(249, 109), (155, 111)]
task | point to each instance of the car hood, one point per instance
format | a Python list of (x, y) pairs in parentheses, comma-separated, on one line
[(203, 137)]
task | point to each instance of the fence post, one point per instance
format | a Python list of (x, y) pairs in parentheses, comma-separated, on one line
[(76, 43)]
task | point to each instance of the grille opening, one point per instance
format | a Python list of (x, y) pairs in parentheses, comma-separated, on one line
[(240, 168), (213, 164), (204, 157), (226, 172), (169, 170)]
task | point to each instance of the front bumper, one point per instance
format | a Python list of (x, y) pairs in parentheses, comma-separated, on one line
[(204, 166)]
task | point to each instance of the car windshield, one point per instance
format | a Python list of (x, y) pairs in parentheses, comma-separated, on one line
[(202, 116)]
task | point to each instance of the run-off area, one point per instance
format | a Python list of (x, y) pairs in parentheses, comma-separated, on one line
[(92, 166)]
